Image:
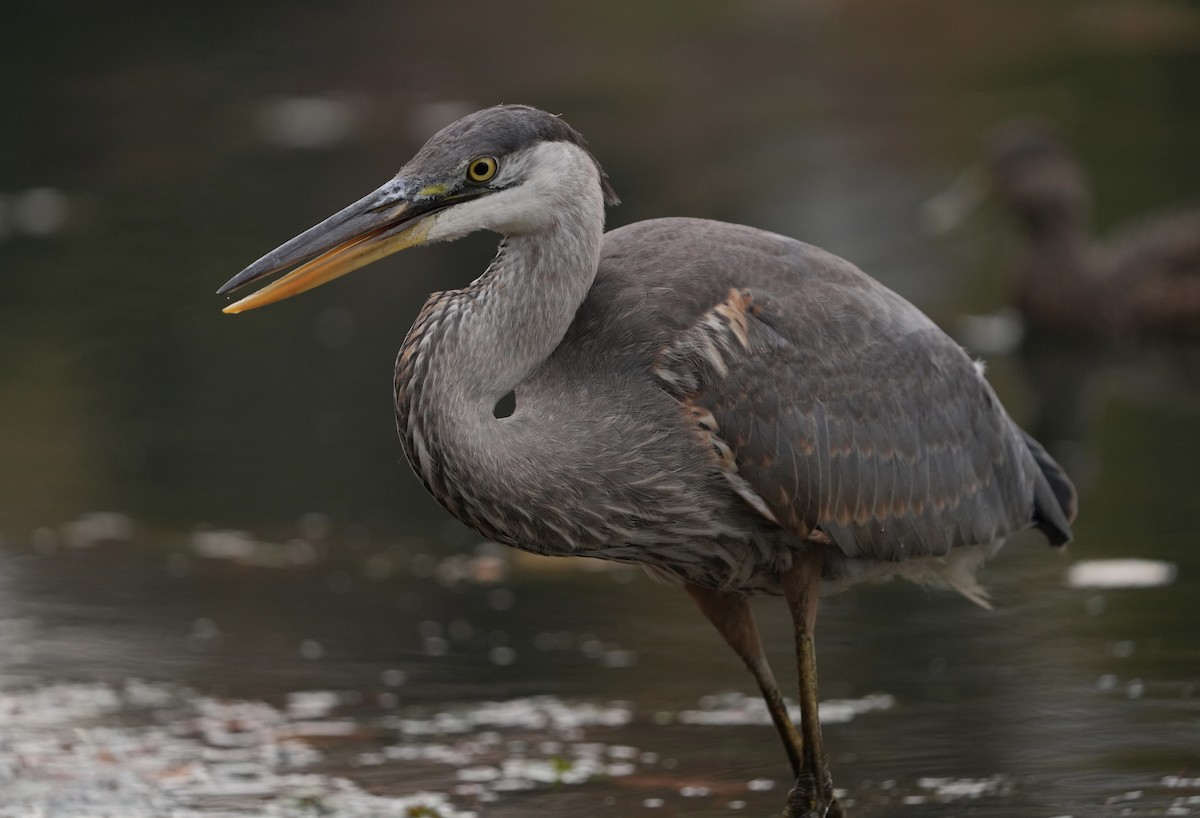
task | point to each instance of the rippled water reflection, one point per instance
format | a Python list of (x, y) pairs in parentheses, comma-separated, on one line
[(507, 689)]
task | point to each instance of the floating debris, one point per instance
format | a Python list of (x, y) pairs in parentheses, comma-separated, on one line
[(956, 789), (1180, 782), (65, 704), (540, 713), (69, 750), (312, 704), (1122, 573), (61, 756), (97, 528), (144, 750), (737, 709), (244, 549)]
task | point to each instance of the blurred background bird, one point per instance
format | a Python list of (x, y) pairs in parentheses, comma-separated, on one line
[(1142, 281)]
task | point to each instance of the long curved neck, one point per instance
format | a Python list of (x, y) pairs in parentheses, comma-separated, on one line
[(470, 347)]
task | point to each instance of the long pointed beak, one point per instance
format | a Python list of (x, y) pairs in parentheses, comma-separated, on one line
[(379, 224)]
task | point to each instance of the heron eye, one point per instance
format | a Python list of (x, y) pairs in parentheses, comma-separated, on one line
[(482, 169)]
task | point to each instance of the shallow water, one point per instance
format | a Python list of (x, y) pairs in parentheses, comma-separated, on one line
[(506, 689), (223, 593)]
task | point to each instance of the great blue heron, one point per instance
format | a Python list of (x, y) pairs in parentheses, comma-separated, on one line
[(1144, 281), (735, 410)]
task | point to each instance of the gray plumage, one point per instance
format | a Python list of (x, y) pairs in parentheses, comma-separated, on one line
[(846, 410), (735, 410)]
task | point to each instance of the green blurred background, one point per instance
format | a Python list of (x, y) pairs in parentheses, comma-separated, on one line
[(150, 151)]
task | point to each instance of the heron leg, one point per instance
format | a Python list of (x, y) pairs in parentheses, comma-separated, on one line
[(812, 797), (730, 614)]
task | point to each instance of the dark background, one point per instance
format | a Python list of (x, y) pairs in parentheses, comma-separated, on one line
[(164, 133)]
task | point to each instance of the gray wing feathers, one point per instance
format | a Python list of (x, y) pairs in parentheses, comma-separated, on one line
[(845, 408), (1054, 498), (850, 413)]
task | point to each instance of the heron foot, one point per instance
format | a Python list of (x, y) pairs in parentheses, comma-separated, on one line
[(811, 798)]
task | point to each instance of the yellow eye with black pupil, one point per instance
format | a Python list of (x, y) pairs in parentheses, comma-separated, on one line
[(482, 169)]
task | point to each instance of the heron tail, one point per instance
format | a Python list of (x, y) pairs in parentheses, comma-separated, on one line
[(1055, 502)]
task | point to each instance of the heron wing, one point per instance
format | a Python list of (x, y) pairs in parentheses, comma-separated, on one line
[(848, 412), (835, 407)]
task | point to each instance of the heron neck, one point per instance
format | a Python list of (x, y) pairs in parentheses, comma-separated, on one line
[(512, 318), (470, 347)]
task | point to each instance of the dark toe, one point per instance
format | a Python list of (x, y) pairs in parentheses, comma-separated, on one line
[(811, 798)]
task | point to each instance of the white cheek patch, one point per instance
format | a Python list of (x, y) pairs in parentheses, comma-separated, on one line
[(555, 176), (495, 212)]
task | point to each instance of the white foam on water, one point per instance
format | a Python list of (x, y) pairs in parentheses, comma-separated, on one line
[(1121, 573), (738, 709), (146, 750)]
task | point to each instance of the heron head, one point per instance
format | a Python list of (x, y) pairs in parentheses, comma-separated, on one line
[(510, 169)]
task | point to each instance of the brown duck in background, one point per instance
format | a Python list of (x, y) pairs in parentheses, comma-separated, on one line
[(1142, 282)]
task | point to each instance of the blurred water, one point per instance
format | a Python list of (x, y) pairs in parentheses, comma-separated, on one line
[(1063, 700), (150, 152)]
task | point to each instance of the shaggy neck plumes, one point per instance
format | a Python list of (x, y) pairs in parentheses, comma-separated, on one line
[(470, 347)]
